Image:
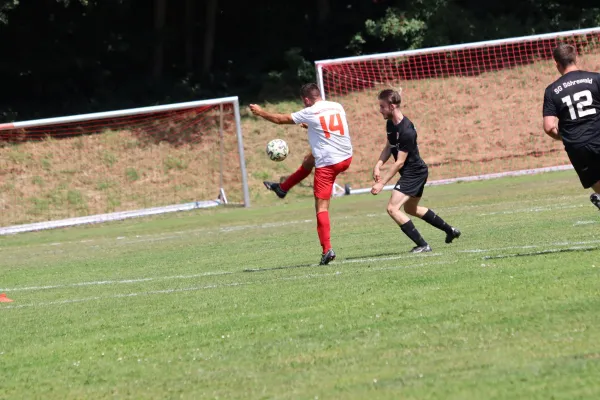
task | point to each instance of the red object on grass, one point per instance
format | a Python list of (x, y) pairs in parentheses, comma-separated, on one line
[(4, 299)]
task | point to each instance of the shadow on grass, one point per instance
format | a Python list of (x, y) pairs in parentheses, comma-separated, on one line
[(372, 256), (368, 256), (542, 252), (279, 268)]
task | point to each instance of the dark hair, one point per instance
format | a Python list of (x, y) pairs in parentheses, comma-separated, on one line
[(310, 90), (391, 96), (565, 54)]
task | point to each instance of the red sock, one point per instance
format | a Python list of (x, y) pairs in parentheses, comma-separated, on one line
[(295, 178), (324, 230)]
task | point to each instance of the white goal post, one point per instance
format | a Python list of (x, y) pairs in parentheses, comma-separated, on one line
[(208, 112), (346, 79)]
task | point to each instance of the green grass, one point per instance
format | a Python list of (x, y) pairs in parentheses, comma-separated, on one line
[(166, 308)]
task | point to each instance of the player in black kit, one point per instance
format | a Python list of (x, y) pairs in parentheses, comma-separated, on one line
[(402, 144), (572, 114)]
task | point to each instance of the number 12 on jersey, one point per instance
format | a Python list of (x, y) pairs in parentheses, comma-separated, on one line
[(586, 100), (335, 125)]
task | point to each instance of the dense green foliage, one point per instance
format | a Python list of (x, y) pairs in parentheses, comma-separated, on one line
[(71, 56)]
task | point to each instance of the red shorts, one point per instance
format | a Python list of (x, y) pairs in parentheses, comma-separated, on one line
[(325, 178)]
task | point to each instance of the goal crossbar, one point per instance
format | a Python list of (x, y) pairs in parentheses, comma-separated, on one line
[(454, 47), (118, 113), (115, 216), (322, 65)]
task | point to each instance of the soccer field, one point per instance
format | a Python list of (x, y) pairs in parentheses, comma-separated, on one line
[(230, 303)]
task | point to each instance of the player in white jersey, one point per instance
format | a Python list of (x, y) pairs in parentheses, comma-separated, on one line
[(331, 149)]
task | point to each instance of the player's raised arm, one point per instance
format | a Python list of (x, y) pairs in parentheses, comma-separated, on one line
[(385, 155), (271, 117)]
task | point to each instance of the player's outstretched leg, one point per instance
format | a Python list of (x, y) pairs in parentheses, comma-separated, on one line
[(413, 208), (397, 200), (275, 187), (301, 173)]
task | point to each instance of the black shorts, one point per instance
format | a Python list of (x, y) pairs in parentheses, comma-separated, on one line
[(412, 184), (586, 161)]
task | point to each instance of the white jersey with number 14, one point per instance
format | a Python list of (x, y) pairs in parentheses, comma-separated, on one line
[(328, 132)]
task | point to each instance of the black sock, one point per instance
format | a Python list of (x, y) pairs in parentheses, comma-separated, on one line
[(412, 232), (435, 220)]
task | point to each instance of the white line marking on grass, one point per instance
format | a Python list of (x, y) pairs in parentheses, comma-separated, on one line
[(350, 261), (584, 223), (125, 295), (215, 286), (468, 251), (114, 282), (180, 234), (213, 273), (204, 232), (307, 276), (270, 225), (264, 226), (552, 200), (399, 257), (535, 209), (151, 239), (235, 228), (445, 262)]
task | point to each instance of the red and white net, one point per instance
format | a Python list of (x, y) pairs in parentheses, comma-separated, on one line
[(477, 110), (118, 164)]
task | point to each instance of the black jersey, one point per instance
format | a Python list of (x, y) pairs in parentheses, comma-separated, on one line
[(575, 99), (403, 137)]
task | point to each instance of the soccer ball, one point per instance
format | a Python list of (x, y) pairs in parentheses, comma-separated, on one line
[(277, 150)]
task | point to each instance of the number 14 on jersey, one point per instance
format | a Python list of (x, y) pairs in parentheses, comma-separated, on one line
[(335, 125)]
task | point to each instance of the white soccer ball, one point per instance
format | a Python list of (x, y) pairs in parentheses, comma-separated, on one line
[(277, 150)]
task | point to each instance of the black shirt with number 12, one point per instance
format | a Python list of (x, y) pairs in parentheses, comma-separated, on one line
[(403, 137), (575, 99)]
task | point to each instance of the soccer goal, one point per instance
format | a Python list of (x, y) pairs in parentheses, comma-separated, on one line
[(114, 165), (477, 107)]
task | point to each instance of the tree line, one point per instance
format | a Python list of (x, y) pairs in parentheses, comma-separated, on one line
[(61, 57)]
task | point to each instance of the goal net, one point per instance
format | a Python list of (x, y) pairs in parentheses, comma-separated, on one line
[(477, 107), (113, 165)]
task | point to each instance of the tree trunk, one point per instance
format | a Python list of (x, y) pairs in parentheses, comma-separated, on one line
[(189, 35), (160, 11), (209, 36)]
